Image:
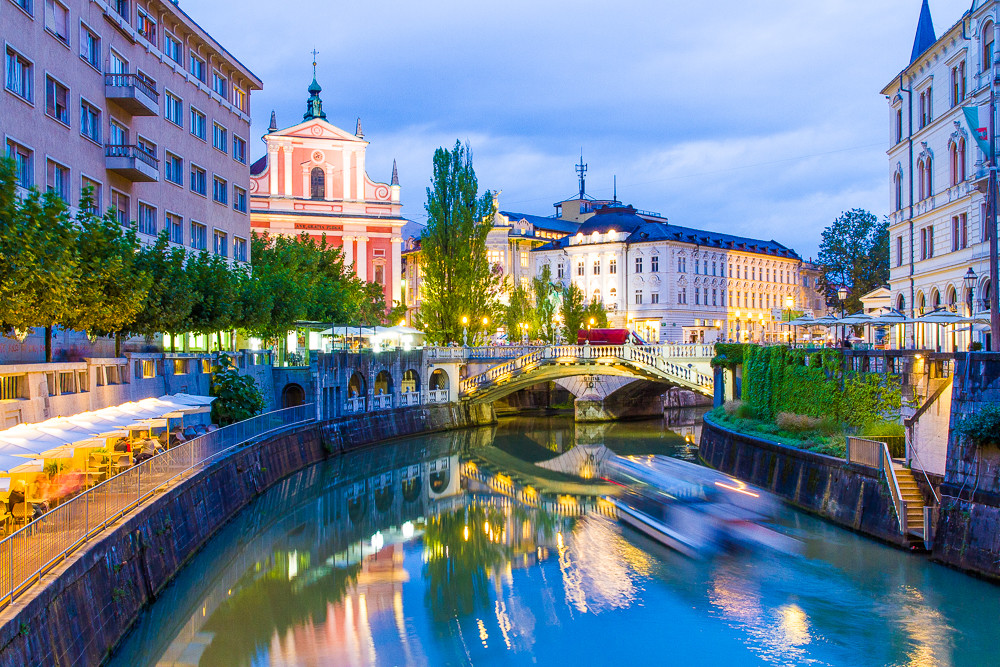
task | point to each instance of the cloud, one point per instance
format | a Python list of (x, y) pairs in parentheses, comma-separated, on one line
[(761, 118)]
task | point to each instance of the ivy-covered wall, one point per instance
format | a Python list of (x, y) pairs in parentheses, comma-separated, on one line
[(810, 382)]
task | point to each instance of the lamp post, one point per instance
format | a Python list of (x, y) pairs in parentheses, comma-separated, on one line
[(789, 302), (970, 287), (465, 331), (842, 294), (590, 325), (486, 321)]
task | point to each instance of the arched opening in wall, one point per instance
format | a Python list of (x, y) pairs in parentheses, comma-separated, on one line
[(440, 476), (986, 37), (357, 502), (383, 383), (317, 183), (379, 271), (356, 386), (413, 481), (292, 395), (984, 298), (921, 329), (951, 299), (383, 492), (411, 382), (439, 380), (936, 329), (901, 328)]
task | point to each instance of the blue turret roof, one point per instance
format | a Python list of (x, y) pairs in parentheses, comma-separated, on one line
[(924, 38)]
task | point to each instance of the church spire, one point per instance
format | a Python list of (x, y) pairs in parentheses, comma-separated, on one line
[(314, 105), (273, 127), (924, 38), (395, 175), (358, 132)]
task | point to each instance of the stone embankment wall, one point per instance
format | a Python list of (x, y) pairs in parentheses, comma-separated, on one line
[(81, 610), (851, 495), (968, 527)]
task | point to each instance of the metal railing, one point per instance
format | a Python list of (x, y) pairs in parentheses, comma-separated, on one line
[(876, 455), (31, 551), (131, 151), (132, 80)]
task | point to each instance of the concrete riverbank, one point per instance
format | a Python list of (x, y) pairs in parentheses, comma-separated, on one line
[(850, 495), (82, 609)]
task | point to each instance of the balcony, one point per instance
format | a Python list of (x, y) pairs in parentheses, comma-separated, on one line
[(133, 94), (132, 162)]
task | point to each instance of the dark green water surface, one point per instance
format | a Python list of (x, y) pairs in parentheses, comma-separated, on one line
[(456, 549)]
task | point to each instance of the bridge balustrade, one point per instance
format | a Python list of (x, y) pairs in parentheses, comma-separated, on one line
[(381, 401), (409, 398), (355, 404), (437, 396)]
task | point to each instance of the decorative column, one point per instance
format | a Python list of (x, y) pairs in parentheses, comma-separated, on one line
[(361, 261), (288, 171), (360, 175), (397, 270), (328, 190), (348, 249), (272, 163), (346, 173)]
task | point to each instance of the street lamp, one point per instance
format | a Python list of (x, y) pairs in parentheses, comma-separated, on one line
[(465, 331), (789, 302), (842, 293), (592, 321), (970, 287)]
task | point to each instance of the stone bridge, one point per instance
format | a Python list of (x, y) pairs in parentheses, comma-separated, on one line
[(608, 381)]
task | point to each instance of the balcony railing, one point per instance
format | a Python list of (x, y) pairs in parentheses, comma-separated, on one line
[(133, 93), (132, 162), (34, 549)]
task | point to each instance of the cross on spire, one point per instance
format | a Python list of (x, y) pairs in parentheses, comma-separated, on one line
[(314, 54), (581, 169)]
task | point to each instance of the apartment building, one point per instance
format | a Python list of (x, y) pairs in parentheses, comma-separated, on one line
[(134, 99), (937, 178)]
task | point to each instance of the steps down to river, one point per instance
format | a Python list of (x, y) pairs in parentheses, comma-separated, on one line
[(914, 499)]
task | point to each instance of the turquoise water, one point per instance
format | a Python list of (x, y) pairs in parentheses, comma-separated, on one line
[(404, 555)]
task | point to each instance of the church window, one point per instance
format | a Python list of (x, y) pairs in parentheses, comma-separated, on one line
[(987, 46), (317, 183)]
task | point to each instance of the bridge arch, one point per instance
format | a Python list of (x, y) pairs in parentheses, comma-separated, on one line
[(383, 383), (292, 395), (411, 381), (356, 386), (439, 380)]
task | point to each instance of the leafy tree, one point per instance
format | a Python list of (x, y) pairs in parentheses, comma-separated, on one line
[(113, 285), (595, 315), (573, 312), (397, 314), (216, 290), (458, 279), (171, 297), (238, 396), (519, 312), (40, 276), (546, 296), (854, 253)]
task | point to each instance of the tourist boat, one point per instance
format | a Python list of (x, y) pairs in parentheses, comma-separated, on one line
[(691, 509)]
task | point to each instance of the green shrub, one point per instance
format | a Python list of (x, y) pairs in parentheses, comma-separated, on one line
[(793, 423), (982, 427), (976, 346), (882, 429)]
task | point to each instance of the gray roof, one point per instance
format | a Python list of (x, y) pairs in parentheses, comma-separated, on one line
[(541, 222), (642, 230)]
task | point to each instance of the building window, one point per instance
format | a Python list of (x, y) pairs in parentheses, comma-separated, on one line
[(897, 186), (239, 150), (317, 183), (57, 179), (145, 25), (987, 53), (90, 47), (654, 297), (927, 242), (173, 109), (147, 147), (199, 180), (175, 228), (924, 179), (18, 75), (56, 100), (613, 266), (714, 297), (220, 138), (961, 161), (524, 259), (57, 20), (95, 194), (239, 199), (959, 232), (240, 99), (654, 264), (638, 297), (220, 85), (90, 121), (25, 5), (958, 84), (240, 250), (117, 64), (612, 295), (21, 156), (199, 236), (697, 296), (122, 8), (925, 108), (172, 47), (119, 134), (899, 125), (173, 169), (681, 268), (579, 269), (682, 295), (560, 272), (198, 124), (638, 264), (220, 190), (697, 267), (494, 257), (120, 205), (220, 243), (197, 67), (597, 267), (147, 219)]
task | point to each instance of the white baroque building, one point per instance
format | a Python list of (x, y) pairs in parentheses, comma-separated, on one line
[(937, 177), (677, 284)]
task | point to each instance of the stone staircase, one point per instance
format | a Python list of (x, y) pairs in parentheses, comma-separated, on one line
[(914, 499)]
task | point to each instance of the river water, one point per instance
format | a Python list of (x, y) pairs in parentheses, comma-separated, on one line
[(453, 549)]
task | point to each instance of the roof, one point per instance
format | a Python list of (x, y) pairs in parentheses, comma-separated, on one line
[(924, 39), (541, 222), (642, 230), (257, 168)]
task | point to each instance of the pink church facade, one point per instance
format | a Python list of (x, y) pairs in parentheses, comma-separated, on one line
[(313, 180)]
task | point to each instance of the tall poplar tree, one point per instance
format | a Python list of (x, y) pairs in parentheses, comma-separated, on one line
[(458, 280)]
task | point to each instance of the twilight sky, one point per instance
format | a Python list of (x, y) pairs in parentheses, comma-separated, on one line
[(760, 118)]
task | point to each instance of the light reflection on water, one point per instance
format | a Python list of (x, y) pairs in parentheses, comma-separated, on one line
[(387, 557)]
